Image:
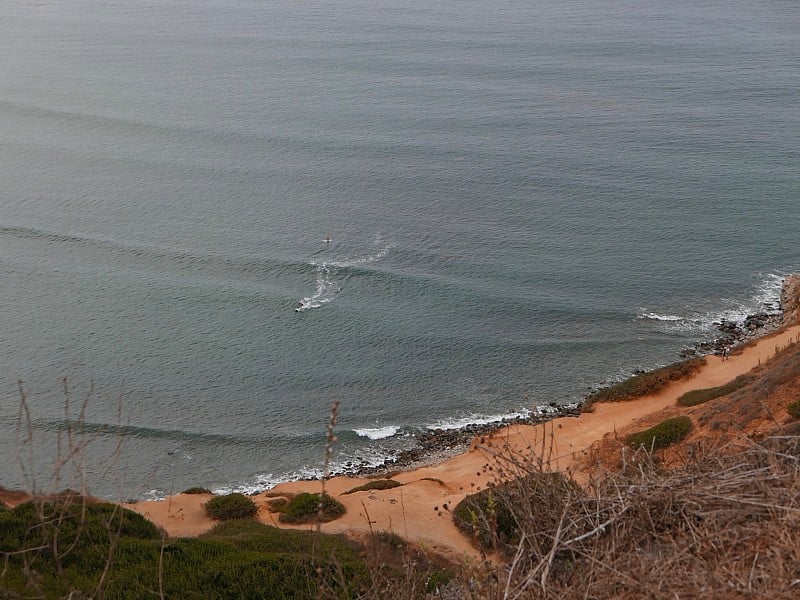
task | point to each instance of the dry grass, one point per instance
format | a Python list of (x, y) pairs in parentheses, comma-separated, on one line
[(725, 525)]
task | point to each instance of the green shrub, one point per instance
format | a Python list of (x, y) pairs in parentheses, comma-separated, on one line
[(433, 479), (236, 559), (75, 522), (377, 484), (695, 397), (646, 383), (251, 535), (794, 409), (494, 517), (196, 490), (311, 508), (68, 543), (486, 519), (232, 506), (437, 579), (662, 435)]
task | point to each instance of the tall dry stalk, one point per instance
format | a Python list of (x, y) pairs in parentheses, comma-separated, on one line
[(58, 509), (330, 441)]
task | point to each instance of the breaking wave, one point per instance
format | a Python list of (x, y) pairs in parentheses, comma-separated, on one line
[(765, 298), (378, 433)]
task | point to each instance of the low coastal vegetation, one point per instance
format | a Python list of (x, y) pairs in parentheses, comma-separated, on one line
[(794, 409), (643, 384), (486, 520), (663, 435), (311, 508), (230, 506), (377, 484), (103, 550), (495, 518), (640, 533), (695, 397), (196, 490)]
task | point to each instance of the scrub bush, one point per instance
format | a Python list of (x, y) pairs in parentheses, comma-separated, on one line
[(664, 434), (102, 550), (646, 383), (196, 490), (311, 508), (494, 517), (232, 506), (794, 409), (695, 397)]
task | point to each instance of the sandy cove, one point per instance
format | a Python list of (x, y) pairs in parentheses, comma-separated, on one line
[(419, 510)]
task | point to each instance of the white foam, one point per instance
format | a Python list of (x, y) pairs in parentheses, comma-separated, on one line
[(378, 433), (542, 410), (365, 457), (476, 419), (154, 495), (546, 410), (363, 260), (356, 459), (764, 298), (656, 317), (326, 290), (327, 285), (267, 481)]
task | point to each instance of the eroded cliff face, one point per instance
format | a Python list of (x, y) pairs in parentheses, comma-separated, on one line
[(790, 300)]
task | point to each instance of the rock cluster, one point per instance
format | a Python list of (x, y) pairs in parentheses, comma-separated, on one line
[(774, 315), (437, 444)]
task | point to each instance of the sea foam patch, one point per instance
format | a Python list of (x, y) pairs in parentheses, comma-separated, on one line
[(765, 298), (477, 419), (378, 433)]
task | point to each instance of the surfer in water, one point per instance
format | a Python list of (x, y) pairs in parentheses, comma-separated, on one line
[(327, 239)]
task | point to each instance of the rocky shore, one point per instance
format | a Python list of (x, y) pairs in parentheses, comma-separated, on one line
[(736, 333), (773, 316), (436, 445)]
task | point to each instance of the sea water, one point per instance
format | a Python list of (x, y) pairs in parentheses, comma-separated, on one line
[(219, 216)]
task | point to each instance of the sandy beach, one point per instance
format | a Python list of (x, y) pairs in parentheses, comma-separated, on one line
[(419, 509)]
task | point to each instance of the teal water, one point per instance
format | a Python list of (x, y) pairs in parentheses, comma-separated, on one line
[(524, 200)]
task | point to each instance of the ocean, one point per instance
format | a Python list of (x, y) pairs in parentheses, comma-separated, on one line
[(218, 217)]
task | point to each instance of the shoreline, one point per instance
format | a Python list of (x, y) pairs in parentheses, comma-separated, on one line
[(438, 445), (432, 446), (419, 509)]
